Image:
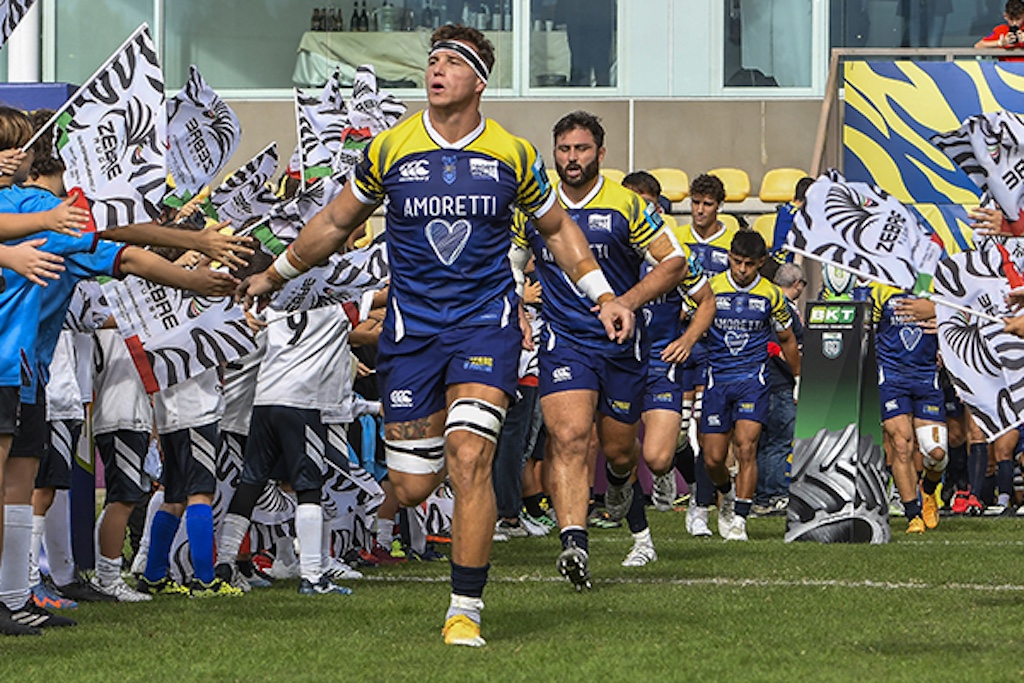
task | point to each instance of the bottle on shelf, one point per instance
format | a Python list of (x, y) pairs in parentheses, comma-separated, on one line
[(385, 17), (353, 22), (364, 19), (506, 15), (426, 16), (314, 22)]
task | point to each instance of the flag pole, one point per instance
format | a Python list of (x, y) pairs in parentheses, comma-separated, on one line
[(142, 27), (866, 276)]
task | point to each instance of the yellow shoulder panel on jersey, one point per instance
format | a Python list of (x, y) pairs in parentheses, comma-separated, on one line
[(880, 294), (519, 221), (522, 157), (644, 222)]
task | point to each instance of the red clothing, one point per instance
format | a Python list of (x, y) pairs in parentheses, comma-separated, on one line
[(997, 33)]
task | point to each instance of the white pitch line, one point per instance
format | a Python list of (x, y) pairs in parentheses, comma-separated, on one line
[(731, 583)]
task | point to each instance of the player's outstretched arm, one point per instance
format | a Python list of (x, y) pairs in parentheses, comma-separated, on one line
[(566, 242), (63, 218), (202, 279), (31, 263), (325, 234), (223, 247), (678, 350)]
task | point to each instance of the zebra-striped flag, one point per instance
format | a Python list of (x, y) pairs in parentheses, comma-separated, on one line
[(345, 278), (984, 362), (110, 136), (202, 134), (174, 335), (285, 219), (988, 149), (333, 135), (862, 229), (245, 194), (11, 14), (321, 132)]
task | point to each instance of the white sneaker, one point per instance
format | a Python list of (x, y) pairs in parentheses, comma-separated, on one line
[(617, 499), (664, 491), (697, 521), (532, 528), (640, 554), (336, 570), (727, 513), (280, 570), (120, 591), (738, 531)]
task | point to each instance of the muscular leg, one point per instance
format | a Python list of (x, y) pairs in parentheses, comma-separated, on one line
[(661, 433), (900, 434), (745, 436), (413, 488), (569, 417)]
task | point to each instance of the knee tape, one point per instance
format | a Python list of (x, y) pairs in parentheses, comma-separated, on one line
[(686, 412), (930, 437), (415, 456), (475, 416)]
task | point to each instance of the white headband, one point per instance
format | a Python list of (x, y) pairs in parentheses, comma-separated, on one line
[(466, 52)]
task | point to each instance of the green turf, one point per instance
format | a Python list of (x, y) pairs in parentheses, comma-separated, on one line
[(944, 606)]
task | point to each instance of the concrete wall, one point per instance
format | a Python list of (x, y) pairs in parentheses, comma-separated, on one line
[(694, 135)]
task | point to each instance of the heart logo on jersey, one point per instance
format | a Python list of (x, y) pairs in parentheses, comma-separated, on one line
[(448, 239), (736, 341), (911, 337)]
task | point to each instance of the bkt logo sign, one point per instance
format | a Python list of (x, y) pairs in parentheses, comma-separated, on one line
[(839, 315)]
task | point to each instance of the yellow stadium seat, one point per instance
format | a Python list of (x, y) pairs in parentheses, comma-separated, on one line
[(729, 221), (736, 181), (765, 224), (675, 184), (779, 184), (613, 174)]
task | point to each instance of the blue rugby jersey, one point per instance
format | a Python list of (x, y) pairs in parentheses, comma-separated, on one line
[(712, 253), (20, 300), (737, 341), (661, 316), (902, 347), (449, 213), (619, 226)]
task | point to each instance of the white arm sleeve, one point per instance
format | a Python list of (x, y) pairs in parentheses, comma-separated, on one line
[(519, 257)]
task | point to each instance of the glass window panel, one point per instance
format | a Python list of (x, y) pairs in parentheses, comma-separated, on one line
[(262, 44), (573, 43), (768, 43), (88, 31), (912, 23)]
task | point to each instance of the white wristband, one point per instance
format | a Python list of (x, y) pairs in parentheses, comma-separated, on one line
[(594, 285), (796, 388), (285, 268)]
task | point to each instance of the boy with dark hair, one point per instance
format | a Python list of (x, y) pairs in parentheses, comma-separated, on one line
[(1010, 35)]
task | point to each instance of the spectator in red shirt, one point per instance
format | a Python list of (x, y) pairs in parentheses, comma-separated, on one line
[(1010, 35)]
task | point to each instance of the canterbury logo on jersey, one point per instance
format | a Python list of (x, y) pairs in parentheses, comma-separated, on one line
[(401, 398), (563, 374), (418, 170)]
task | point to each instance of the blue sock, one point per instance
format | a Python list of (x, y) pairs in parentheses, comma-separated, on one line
[(165, 525), (742, 507), (469, 581), (1004, 477), (578, 535), (705, 487), (912, 508), (636, 517), (199, 526)]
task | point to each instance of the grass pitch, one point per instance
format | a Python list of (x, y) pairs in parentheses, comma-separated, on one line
[(943, 606)]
